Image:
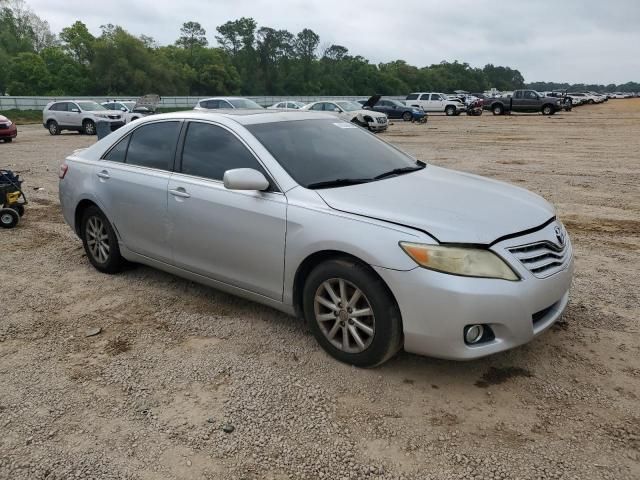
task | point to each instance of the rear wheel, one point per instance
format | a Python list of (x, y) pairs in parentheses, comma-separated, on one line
[(53, 127), (100, 241), (407, 116), (450, 110), (9, 218), (89, 127), (497, 109), (351, 313)]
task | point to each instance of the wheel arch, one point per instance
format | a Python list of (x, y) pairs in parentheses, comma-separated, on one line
[(79, 212), (315, 259)]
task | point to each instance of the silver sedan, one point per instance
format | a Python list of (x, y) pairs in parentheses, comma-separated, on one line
[(318, 218)]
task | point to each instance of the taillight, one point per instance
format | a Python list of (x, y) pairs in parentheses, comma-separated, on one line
[(63, 170)]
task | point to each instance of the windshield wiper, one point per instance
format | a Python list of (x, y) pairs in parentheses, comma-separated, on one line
[(399, 171), (338, 182)]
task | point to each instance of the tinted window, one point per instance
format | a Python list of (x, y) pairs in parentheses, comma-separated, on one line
[(413, 96), (314, 151), (435, 96), (209, 151), (119, 151), (240, 103), (59, 107), (154, 145), (317, 106)]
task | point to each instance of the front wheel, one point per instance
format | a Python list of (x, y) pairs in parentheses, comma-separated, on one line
[(89, 127), (8, 140), (100, 241), (547, 110), (450, 110), (9, 218), (351, 313)]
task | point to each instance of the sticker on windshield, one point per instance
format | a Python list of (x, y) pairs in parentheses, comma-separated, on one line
[(345, 125)]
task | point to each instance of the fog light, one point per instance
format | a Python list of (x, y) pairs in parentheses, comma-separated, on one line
[(473, 334)]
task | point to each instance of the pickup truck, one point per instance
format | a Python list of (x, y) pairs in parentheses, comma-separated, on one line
[(524, 101)]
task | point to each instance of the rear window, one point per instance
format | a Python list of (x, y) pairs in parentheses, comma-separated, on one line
[(154, 145), (413, 96), (314, 151)]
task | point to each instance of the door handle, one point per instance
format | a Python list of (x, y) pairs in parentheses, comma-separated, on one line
[(103, 174), (179, 192)]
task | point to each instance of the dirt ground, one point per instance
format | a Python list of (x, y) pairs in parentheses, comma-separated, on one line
[(177, 364)]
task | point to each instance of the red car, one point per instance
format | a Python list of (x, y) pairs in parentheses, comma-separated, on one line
[(8, 129)]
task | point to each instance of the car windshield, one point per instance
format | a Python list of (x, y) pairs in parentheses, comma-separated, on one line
[(90, 106), (243, 103), (314, 152), (349, 106)]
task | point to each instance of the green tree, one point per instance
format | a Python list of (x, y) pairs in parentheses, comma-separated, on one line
[(79, 42), (28, 75), (192, 35)]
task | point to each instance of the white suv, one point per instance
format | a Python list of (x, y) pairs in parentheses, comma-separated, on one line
[(79, 115), (436, 102), (130, 110)]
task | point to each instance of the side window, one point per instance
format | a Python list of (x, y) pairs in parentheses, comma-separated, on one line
[(154, 145), (73, 107), (435, 96), (109, 106), (119, 151), (209, 151), (57, 107), (331, 107), (424, 96), (413, 96), (518, 94), (224, 104), (317, 106)]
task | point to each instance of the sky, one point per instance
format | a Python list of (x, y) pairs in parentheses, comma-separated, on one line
[(575, 41)]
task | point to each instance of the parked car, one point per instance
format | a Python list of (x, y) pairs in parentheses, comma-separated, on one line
[(8, 129), (525, 101), (382, 251), (436, 102), (393, 109), (78, 115), (130, 109), (351, 112), (287, 105), (231, 103)]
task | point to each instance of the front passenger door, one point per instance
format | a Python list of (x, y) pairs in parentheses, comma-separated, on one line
[(235, 237)]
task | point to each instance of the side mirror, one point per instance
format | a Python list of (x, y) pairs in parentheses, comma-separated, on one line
[(245, 179), (123, 109), (75, 110), (336, 109)]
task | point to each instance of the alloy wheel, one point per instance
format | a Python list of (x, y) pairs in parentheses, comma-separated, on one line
[(344, 315), (98, 239)]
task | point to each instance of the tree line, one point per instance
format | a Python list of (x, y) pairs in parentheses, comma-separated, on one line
[(247, 60)]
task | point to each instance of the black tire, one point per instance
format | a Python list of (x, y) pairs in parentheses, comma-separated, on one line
[(386, 320), (9, 218), (53, 127), (18, 208), (548, 110), (407, 116), (113, 261), (497, 109), (8, 140), (89, 127), (450, 110)]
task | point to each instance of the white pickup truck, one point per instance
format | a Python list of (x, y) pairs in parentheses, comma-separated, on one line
[(435, 102)]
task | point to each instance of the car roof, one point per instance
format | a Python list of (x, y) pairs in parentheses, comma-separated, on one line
[(224, 98), (243, 116)]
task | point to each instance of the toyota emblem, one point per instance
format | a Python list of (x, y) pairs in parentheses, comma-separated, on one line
[(559, 235)]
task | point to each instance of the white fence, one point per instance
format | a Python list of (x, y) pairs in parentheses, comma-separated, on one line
[(38, 103)]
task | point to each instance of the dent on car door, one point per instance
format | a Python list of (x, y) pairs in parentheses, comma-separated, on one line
[(131, 183), (235, 237)]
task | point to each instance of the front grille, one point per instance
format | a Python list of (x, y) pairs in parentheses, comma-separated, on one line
[(114, 117), (3, 126), (381, 120), (542, 258), (541, 315)]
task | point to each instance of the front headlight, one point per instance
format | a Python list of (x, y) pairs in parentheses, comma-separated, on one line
[(469, 262)]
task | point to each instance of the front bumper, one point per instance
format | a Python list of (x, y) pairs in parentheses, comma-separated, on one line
[(11, 132), (378, 127), (436, 307)]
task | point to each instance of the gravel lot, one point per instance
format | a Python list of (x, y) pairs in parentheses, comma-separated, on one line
[(177, 366)]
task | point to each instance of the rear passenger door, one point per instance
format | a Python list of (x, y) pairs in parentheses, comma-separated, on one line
[(131, 183), (235, 237)]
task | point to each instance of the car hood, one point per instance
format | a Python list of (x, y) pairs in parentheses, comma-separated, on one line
[(453, 207), (372, 101), (3, 119)]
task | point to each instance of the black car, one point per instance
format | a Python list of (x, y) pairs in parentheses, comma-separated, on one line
[(393, 109)]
